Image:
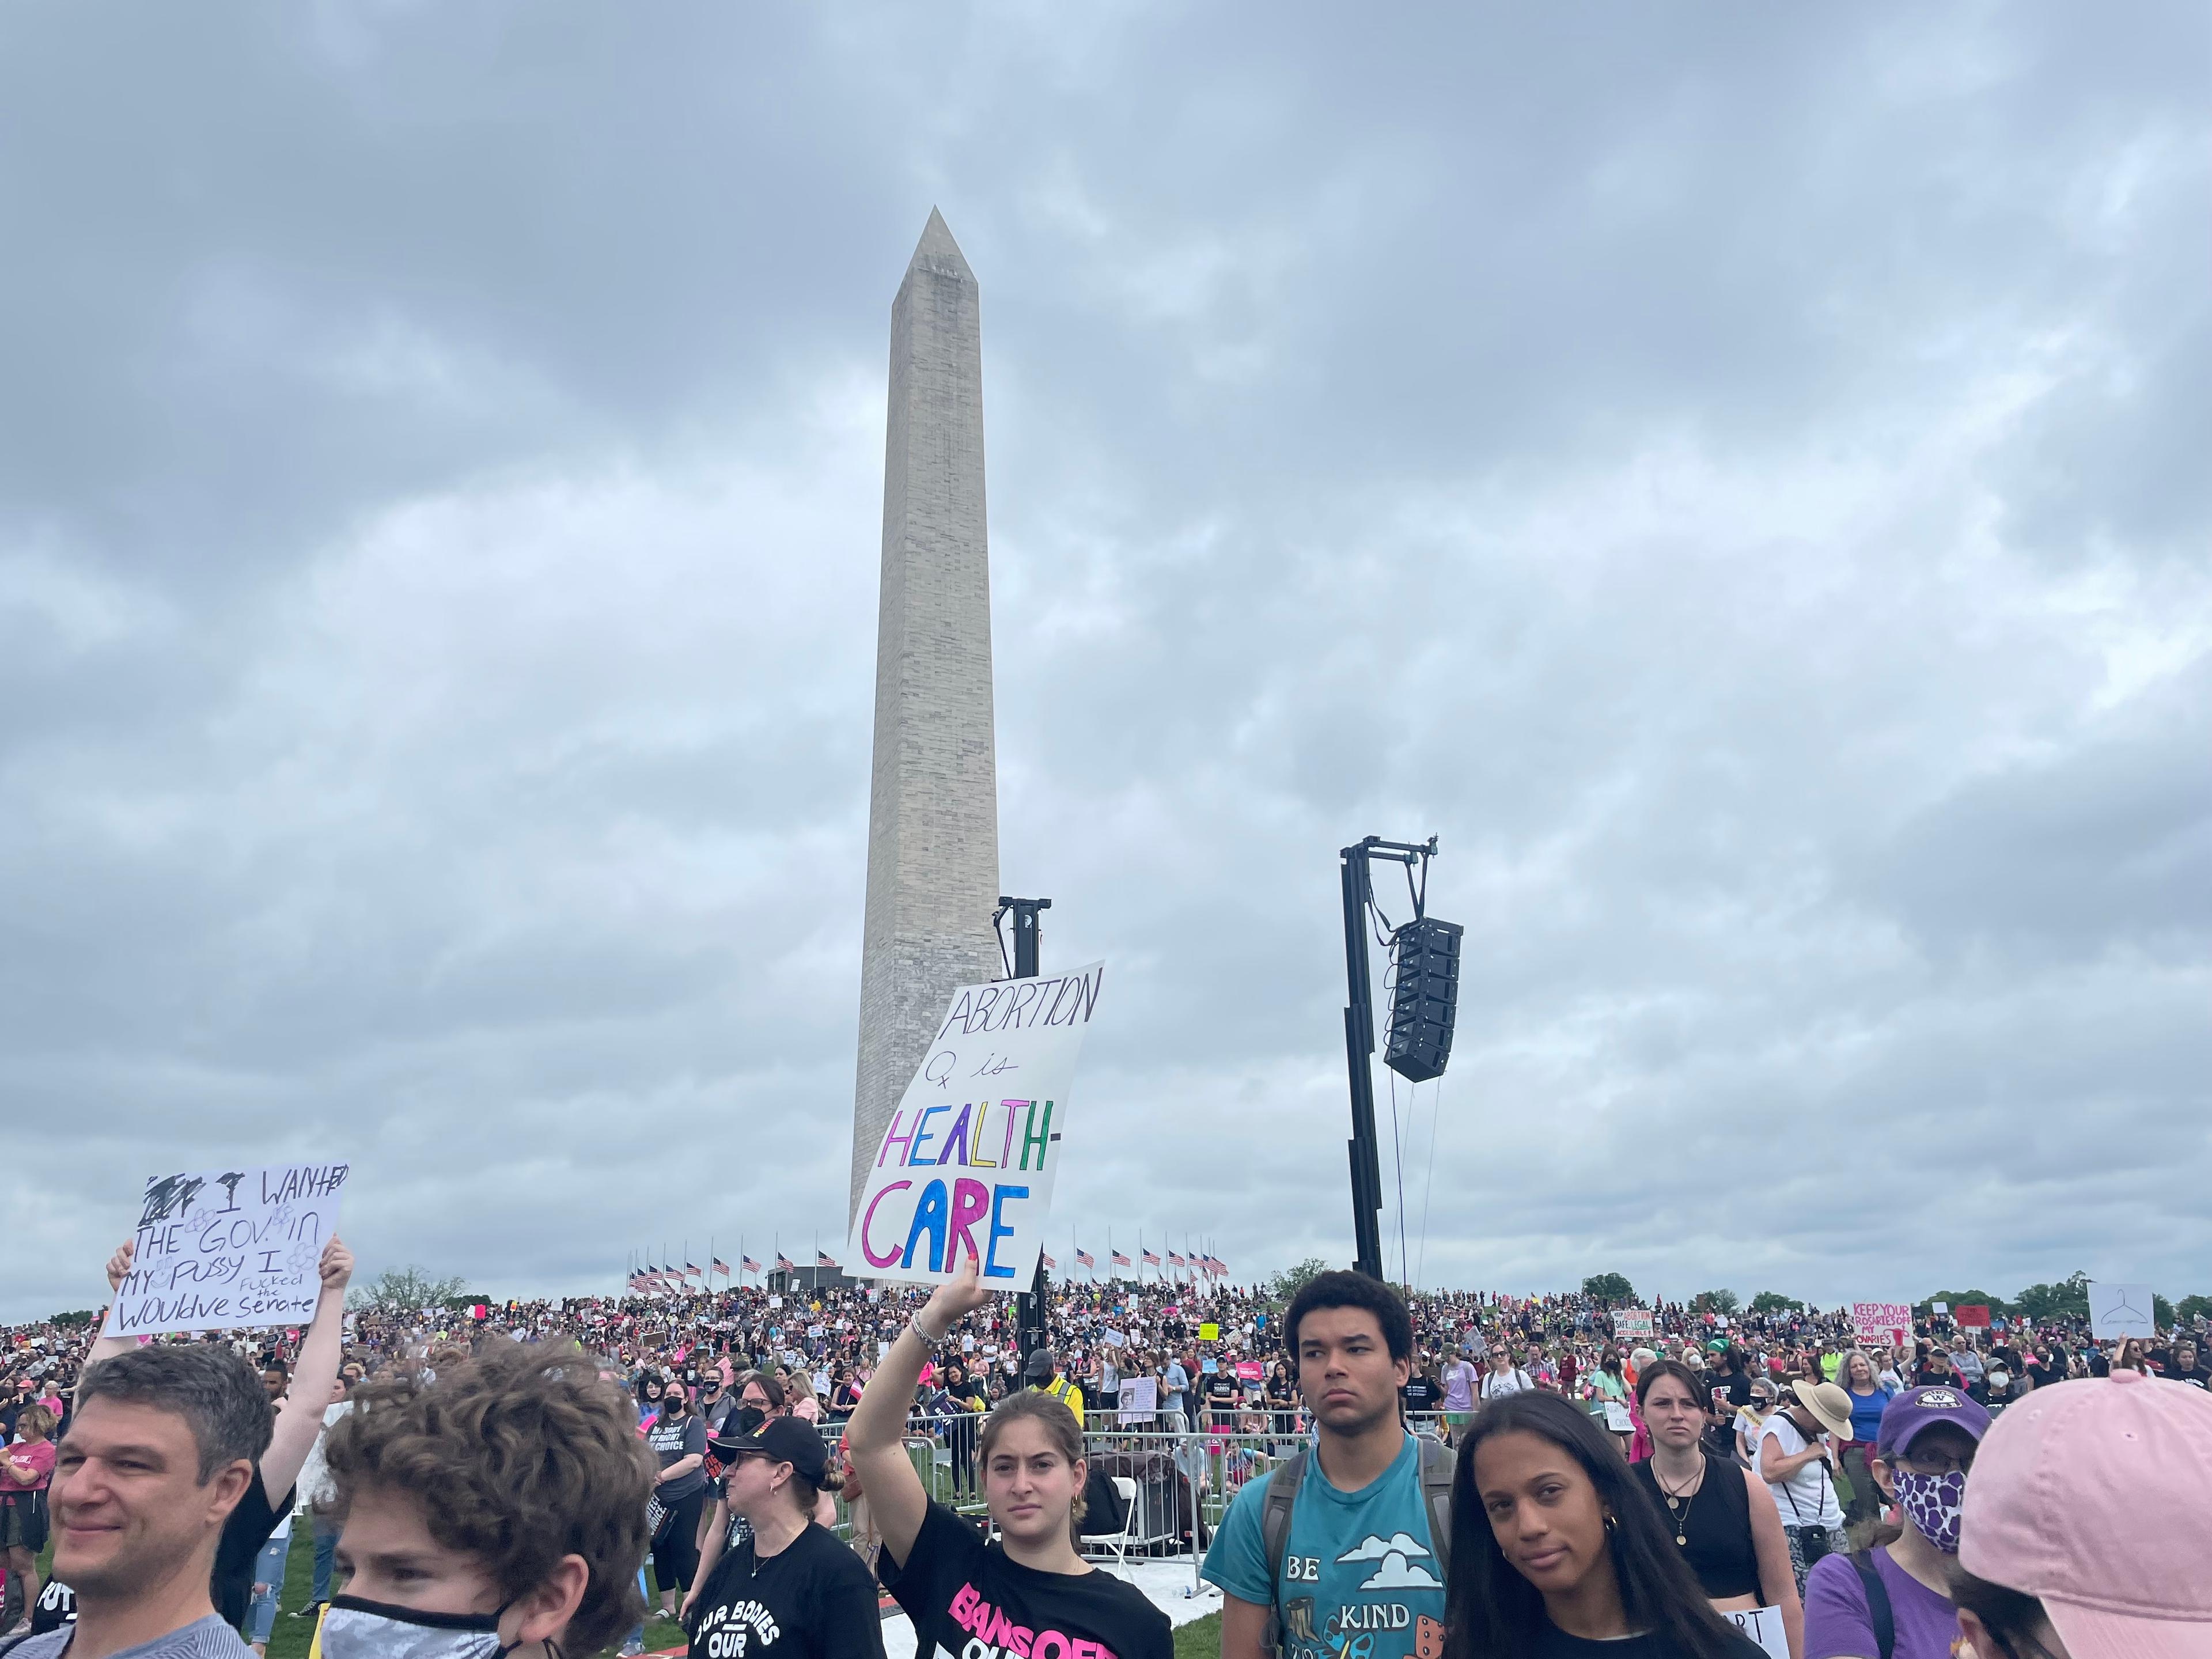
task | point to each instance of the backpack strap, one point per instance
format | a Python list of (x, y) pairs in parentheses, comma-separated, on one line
[(1436, 1460), (1880, 1613), (1275, 1539)]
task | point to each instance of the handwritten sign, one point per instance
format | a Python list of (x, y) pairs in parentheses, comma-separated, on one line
[(228, 1247), (1633, 1323), (1764, 1626), (1116, 1339), (1139, 1398), (966, 1164), (2116, 1310), (1209, 1332), (1885, 1323)]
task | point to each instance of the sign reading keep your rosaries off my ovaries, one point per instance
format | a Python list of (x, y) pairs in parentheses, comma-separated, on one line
[(967, 1164)]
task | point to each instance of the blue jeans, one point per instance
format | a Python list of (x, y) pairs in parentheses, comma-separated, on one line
[(269, 1569), (326, 1548)]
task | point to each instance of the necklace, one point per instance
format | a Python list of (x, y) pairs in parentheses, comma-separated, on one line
[(1679, 1502)]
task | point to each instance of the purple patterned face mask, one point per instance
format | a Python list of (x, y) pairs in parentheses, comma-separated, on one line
[(1932, 1503)]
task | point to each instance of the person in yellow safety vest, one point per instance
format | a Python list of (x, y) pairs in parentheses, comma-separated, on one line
[(1042, 1374)]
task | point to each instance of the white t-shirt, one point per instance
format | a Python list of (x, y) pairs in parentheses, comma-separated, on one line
[(1807, 1498), (1496, 1385)]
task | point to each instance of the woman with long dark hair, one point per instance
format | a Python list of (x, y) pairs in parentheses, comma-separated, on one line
[(1556, 1552), (1722, 1519)]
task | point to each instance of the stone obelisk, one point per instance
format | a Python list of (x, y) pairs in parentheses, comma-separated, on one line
[(933, 803)]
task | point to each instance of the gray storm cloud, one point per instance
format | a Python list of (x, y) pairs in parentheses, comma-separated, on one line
[(1738, 479)]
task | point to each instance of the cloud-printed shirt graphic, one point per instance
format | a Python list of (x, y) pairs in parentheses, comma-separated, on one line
[(1397, 1570), (1374, 1548)]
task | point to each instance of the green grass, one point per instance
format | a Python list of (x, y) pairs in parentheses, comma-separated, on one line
[(1199, 1639)]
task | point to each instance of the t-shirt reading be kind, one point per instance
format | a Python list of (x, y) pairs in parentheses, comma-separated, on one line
[(969, 1601)]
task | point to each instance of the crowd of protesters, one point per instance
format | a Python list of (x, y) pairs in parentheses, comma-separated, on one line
[(1453, 1475)]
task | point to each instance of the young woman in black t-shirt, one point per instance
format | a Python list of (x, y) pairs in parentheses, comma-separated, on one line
[(1557, 1554), (1031, 1589)]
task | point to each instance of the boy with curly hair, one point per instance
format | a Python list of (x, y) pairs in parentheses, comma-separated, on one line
[(497, 1507)]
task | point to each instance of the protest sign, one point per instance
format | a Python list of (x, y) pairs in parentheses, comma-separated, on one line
[(1209, 1332), (1633, 1323), (228, 1247), (1939, 1307), (2117, 1310), (1115, 1339), (966, 1165), (1208, 1365), (1888, 1323), (1764, 1626), (1140, 1398), (1974, 1314), (1250, 1370)]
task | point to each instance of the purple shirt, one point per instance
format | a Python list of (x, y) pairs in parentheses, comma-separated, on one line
[(1839, 1627)]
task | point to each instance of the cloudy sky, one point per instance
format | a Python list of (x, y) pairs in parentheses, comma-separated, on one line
[(1738, 475)]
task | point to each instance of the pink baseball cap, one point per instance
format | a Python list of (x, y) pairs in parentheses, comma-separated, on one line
[(2074, 1499)]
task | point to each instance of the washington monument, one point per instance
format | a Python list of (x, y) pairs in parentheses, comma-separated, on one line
[(933, 801)]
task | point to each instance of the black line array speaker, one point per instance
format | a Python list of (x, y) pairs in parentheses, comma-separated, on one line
[(1424, 998)]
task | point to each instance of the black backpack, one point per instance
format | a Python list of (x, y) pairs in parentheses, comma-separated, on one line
[(1880, 1613)]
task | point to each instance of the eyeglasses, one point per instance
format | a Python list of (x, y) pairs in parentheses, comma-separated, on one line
[(1936, 1464)]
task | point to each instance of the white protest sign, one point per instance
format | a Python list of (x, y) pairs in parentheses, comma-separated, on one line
[(2116, 1310), (1764, 1626), (1140, 1398), (966, 1164), (1633, 1323), (1884, 1323), (1116, 1339), (1939, 1307), (227, 1247)]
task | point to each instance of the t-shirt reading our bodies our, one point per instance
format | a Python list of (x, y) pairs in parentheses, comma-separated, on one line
[(1360, 1570), (969, 1601), (813, 1599)]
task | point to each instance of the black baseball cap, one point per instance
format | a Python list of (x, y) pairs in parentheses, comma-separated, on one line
[(1040, 1365), (780, 1440)]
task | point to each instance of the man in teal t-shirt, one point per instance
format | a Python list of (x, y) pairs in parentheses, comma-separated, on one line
[(1361, 1576)]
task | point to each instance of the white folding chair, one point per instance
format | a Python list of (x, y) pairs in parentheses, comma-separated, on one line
[(1116, 1544)]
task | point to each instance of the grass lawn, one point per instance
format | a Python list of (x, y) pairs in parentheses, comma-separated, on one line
[(1199, 1639)]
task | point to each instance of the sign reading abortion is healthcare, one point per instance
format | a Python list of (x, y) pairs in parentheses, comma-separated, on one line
[(966, 1165)]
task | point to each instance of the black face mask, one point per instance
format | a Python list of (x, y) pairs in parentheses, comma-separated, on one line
[(672, 1407), (749, 1418)]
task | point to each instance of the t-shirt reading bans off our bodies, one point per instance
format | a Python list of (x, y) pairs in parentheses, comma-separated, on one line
[(813, 1599), (1360, 1572), (969, 1601)]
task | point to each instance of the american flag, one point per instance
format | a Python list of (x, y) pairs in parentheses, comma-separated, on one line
[(747, 1265), (1151, 1259), (784, 1264), (1049, 1264), (1119, 1259), (1083, 1259), (720, 1267), (822, 1259), (1174, 1260), (691, 1271)]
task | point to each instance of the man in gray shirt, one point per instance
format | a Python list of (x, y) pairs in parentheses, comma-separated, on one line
[(164, 1444)]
